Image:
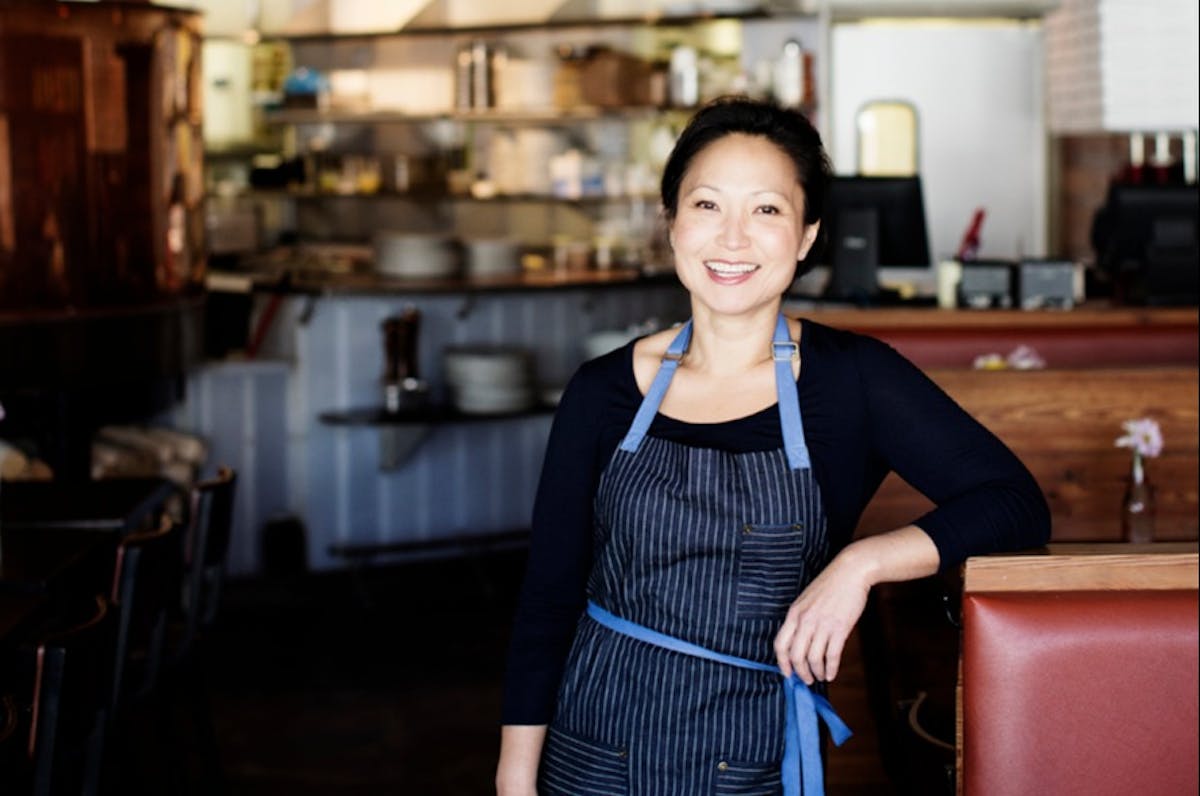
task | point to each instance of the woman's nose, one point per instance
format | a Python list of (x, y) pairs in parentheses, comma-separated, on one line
[(733, 232)]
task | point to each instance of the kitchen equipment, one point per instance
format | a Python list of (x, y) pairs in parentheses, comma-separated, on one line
[(1046, 284), (986, 284), (684, 77), (489, 379), (491, 256), (481, 76), (402, 386), (232, 224), (411, 255)]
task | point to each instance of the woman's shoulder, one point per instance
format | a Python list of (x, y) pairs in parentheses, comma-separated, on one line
[(599, 380), (820, 338), (841, 354), (653, 346)]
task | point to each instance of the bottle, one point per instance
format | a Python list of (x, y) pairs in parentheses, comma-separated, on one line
[(685, 77), (481, 76), (788, 80), (968, 249), (176, 252), (463, 78), (1138, 508), (401, 383)]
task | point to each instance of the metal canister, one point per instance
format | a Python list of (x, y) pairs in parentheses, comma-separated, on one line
[(463, 81), (481, 76)]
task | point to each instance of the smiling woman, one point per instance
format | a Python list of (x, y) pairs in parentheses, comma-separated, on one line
[(701, 487), (740, 224)]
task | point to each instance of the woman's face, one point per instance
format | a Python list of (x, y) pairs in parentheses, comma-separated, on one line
[(739, 227)]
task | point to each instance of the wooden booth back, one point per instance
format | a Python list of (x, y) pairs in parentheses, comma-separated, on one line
[(1062, 424)]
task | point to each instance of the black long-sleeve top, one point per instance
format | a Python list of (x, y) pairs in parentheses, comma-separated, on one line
[(866, 410)]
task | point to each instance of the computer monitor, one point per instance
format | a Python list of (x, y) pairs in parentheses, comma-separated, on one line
[(1145, 238), (872, 223)]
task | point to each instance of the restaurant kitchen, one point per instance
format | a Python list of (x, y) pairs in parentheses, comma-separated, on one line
[(355, 252), (519, 219)]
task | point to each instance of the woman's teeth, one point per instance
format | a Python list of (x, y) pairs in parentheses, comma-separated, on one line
[(730, 269)]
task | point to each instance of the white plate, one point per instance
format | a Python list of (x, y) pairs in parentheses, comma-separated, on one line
[(487, 365), (415, 256), (482, 401)]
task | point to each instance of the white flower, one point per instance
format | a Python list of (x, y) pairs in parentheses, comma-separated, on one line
[(1142, 435), (1024, 357)]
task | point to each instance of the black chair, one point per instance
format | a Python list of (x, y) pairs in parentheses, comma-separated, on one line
[(195, 753), (146, 579), (69, 708), (14, 762), (206, 547)]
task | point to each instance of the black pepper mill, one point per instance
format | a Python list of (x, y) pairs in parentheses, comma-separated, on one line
[(402, 386)]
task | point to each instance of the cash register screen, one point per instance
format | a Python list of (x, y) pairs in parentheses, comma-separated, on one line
[(873, 225), (1150, 233)]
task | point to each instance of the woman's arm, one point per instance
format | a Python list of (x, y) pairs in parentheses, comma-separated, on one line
[(986, 501), (814, 633), (553, 593), (520, 753)]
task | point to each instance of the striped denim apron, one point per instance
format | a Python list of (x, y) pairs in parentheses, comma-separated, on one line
[(671, 686)]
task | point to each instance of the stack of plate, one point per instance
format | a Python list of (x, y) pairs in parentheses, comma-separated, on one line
[(492, 256), (487, 380), (415, 256)]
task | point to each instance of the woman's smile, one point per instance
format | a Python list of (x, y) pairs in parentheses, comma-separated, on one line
[(730, 273)]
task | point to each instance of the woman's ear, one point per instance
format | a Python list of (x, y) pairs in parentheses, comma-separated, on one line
[(808, 239)]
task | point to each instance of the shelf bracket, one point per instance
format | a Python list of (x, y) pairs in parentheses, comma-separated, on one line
[(398, 443), (466, 307)]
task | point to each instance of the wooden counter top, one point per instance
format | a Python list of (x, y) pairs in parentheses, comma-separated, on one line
[(1087, 316), (1092, 335), (359, 282)]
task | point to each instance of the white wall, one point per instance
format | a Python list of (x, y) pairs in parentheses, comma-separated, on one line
[(978, 90)]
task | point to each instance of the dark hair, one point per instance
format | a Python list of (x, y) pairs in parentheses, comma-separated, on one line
[(786, 128)]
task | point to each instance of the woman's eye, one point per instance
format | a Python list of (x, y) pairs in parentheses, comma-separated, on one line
[(704, 204), (770, 210)]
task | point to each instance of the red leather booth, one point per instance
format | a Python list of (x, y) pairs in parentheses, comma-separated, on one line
[(1083, 680)]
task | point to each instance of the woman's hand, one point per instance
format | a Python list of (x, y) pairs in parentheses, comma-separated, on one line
[(814, 633), (520, 754)]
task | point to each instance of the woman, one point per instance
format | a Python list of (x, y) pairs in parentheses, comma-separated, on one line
[(691, 570)]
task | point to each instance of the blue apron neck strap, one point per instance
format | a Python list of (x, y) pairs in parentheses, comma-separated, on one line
[(658, 388), (783, 350)]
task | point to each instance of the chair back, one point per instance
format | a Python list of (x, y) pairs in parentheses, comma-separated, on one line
[(145, 581), (1079, 674), (206, 548), (70, 704)]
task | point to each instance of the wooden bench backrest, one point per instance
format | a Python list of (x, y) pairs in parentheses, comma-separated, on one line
[(1062, 424)]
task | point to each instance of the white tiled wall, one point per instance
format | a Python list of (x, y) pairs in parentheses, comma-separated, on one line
[(1123, 65)]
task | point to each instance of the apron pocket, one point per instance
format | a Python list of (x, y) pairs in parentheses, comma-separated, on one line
[(771, 564), (572, 764), (748, 779)]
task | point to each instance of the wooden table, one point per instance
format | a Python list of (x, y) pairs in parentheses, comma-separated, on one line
[(118, 504), (17, 611), (55, 561)]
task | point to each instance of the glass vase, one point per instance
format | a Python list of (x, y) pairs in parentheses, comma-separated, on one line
[(1137, 509)]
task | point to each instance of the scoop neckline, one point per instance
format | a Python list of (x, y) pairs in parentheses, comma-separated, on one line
[(629, 374)]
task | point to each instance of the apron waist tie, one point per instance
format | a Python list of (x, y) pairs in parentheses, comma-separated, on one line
[(802, 747)]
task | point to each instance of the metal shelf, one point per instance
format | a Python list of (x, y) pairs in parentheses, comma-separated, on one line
[(536, 116), (573, 14)]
